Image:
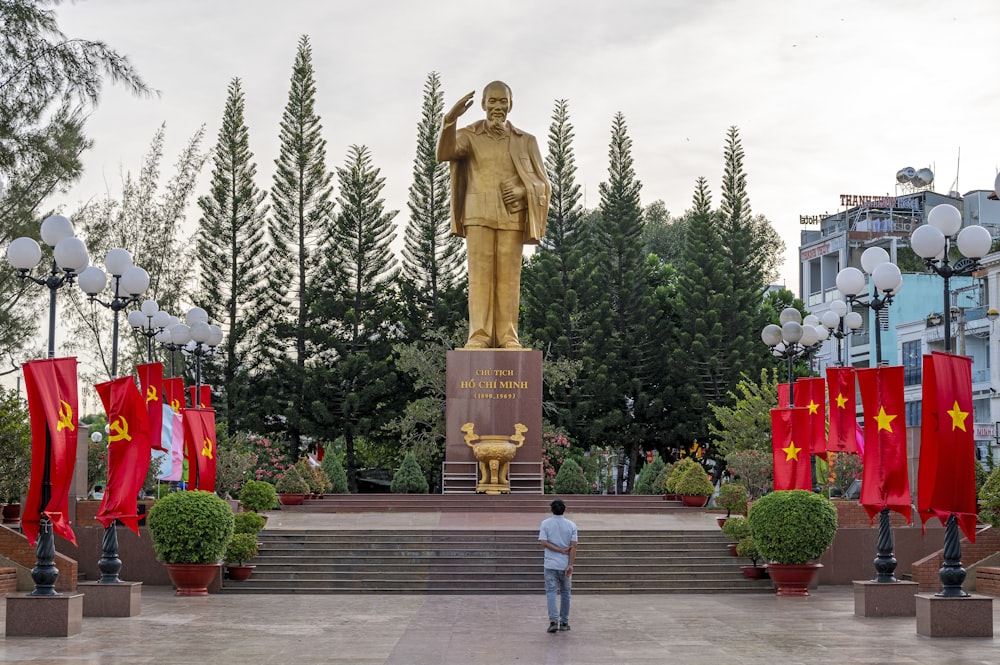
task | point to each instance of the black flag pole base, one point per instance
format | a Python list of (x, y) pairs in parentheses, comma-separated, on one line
[(110, 564), (885, 561), (951, 574)]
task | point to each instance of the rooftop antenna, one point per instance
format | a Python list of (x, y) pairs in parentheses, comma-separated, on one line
[(958, 164)]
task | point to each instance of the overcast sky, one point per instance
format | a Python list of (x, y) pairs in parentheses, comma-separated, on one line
[(830, 98)]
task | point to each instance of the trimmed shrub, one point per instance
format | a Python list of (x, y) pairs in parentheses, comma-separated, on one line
[(736, 528), (792, 526), (190, 527), (748, 547), (290, 482), (314, 476), (409, 479), (989, 499), (571, 479), (694, 481), (335, 472), (732, 498), (670, 484), (242, 547), (648, 475), (247, 523), (258, 495)]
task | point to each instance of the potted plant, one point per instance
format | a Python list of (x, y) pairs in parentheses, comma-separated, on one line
[(791, 529), (242, 547), (694, 487), (733, 499), (15, 454), (291, 487), (257, 496), (676, 471), (190, 532), (736, 528), (748, 547)]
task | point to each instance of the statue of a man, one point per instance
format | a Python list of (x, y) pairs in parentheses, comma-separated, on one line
[(499, 202)]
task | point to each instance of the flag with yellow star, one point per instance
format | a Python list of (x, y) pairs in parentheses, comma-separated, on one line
[(811, 394), (151, 387), (843, 410), (54, 416), (946, 482), (885, 480), (199, 447), (790, 448), (128, 451)]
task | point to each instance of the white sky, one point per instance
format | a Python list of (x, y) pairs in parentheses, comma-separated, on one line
[(830, 97)]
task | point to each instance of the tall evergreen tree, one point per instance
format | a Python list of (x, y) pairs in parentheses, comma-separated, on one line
[(352, 386), (617, 354), (233, 254), (301, 214), (432, 257), (749, 246)]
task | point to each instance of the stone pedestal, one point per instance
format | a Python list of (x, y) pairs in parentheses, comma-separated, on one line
[(111, 600), (892, 599), (495, 390), (44, 616), (971, 616)]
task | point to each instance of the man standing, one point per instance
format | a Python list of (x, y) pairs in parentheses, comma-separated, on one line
[(558, 538), (499, 202)]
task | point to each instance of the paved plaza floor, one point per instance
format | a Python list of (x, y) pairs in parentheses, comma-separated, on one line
[(738, 629)]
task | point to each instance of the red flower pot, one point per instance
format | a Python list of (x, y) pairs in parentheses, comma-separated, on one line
[(793, 579), (192, 579), (291, 499), (239, 573), (753, 572), (694, 500)]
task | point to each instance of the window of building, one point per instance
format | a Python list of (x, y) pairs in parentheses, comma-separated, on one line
[(913, 418), (912, 362)]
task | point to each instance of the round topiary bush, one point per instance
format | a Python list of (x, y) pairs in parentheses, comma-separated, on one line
[(409, 479), (247, 523), (291, 482), (748, 547), (732, 498), (792, 526), (190, 527), (242, 547), (736, 528), (570, 479), (670, 484), (694, 482), (257, 496)]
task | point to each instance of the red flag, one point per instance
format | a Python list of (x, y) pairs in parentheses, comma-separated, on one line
[(206, 397), (52, 409), (783, 395), (811, 393), (789, 427), (885, 482), (151, 387), (946, 483), (128, 451), (199, 442), (843, 421), (173, 392)]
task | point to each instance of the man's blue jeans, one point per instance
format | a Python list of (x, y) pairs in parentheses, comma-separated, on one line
[(558, 583)]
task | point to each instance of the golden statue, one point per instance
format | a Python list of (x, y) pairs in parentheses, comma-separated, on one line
[(499, 202)]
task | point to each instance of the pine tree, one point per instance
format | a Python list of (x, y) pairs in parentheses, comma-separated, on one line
[(233, 255), (433, 258), (409, 479), (301, 215), (353, 385)]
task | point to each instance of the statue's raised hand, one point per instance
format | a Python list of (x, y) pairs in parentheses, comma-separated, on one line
[(460, 107)]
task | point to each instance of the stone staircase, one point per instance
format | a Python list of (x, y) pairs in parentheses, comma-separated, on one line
[(472, 503), (490, 561)]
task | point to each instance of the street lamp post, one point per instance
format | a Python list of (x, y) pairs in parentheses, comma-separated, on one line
[(841, 323), (887, 281), (148, 321), (128, 283), (932, 242), (69, 258)]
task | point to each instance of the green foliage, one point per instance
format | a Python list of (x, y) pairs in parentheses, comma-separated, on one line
[(409, 479), (247, 523), (748, 547), (291, 482), (570, 479), (660, 484), (792, 526), (335, 472), (314, 476), (190, 527), (242, 547), (754, 469), (845, 468), (646, 481), (981, 475), (678, 470), (732, 498), (989, 499), (258, 495), (233, 468), (736, 527), (694, 481), (743, 420), (15, 446)]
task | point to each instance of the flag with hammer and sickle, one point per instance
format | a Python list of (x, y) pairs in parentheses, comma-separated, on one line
[(128, 451), (151, 386), (52, 407), (199, 446)]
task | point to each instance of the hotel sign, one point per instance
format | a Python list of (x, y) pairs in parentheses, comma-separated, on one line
[(879, 201)]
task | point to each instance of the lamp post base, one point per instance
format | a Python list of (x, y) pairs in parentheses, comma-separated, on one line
[(969, 616)]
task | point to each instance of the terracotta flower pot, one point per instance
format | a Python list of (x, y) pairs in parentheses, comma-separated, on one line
[(694, 500), (721, 521), (753, 572), (239, 573), (291, 499), (732, 548), (793, 579), (192, 579)]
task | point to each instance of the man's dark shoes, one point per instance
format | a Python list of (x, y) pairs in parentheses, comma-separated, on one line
[(563, 627), (553, 626)]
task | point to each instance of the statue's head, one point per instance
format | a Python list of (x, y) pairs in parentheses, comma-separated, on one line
[(498, 100)]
